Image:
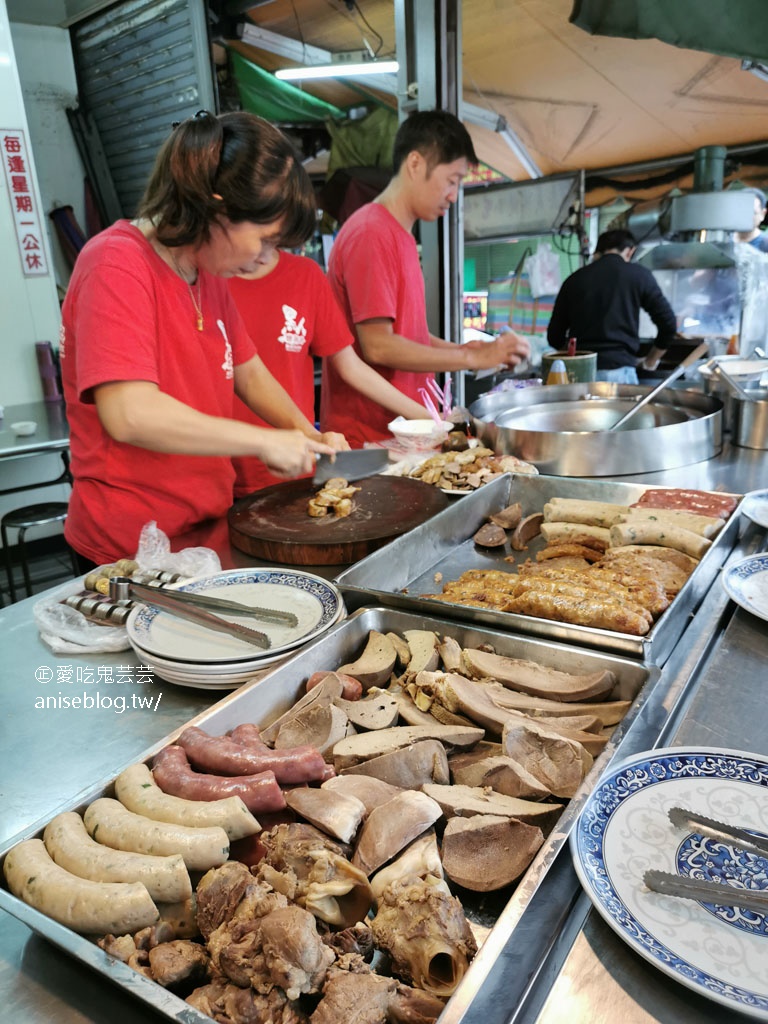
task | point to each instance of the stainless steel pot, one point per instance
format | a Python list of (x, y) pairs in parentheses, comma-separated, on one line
[(719, 389), (564, 431), (750, 421)]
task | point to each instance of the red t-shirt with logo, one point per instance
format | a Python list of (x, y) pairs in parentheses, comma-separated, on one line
[(127, 316), (374, 271), (292, 317)]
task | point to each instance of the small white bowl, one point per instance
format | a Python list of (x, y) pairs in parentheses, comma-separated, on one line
[(24, 428), (420, 434)]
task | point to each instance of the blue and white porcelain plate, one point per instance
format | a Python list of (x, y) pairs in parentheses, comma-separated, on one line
[(755, 506), (746, 583), (316, 603), (719, 951)]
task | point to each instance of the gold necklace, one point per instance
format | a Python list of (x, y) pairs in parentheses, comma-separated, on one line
[(196, 302)]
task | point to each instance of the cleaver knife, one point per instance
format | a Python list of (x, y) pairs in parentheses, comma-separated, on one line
[(352, 465)]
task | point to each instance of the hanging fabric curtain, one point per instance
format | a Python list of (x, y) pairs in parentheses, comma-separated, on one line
[(732, 28), (366, 142), (263, 94)]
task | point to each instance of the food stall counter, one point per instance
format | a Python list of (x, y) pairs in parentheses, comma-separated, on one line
[(52, 754)]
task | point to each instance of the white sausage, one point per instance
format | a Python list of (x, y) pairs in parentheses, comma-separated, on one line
[(110, 823), (67, 841), (562, 532), (707, 526), (84, 906), (137, 790), (647, 532), (578, 510)]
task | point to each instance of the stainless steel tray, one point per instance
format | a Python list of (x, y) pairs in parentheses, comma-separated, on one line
[(402, 573), (260, 702)]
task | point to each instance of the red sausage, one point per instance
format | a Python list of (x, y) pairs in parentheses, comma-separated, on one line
[(173, 774), (352, 688), (223, 755), (704, 503), (250, 736)]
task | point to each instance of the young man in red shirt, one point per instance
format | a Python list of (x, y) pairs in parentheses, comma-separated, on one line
[(375, 274)]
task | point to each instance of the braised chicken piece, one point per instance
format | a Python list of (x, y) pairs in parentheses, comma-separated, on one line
[(356, 940), (180, 963), (294, 954), (268, 943), (426, 935), (228, 1004), (218, 894), (369, 998), (155, 953), (323, 881), (121, 947)]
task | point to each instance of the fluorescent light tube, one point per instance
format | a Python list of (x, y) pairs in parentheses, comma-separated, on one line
[(340, 70)]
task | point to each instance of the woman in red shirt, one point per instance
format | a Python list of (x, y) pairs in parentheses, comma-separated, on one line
[(153, 348)]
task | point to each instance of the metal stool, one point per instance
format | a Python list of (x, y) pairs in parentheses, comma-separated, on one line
[(22, 519)]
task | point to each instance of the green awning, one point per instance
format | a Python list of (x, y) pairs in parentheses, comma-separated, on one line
[(280, 102), (732, 28)]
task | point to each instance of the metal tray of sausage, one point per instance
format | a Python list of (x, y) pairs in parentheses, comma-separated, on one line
[(490, 914), (403, 574)]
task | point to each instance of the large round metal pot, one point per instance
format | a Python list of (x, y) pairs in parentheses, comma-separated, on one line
[(750, 421), (564, 430)]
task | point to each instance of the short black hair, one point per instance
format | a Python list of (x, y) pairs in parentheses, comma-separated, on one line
[(438, 135), (619, 239)]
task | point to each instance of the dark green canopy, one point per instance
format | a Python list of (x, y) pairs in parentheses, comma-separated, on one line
[(732, 28)]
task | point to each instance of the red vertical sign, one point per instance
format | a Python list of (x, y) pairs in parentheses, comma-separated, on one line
[(24, 205)]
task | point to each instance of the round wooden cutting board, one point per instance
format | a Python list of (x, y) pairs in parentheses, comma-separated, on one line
[(274, 523)]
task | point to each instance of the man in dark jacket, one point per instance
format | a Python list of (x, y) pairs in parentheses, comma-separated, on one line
[(600, 305)]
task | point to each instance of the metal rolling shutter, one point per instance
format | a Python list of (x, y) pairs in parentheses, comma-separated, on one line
[(141, 65)]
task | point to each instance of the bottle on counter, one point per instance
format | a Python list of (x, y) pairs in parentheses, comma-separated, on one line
[(557, 373)]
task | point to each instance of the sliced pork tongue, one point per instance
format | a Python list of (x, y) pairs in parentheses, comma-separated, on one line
[(536, 679)]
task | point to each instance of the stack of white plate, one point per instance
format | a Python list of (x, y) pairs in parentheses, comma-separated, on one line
[(183, 652)]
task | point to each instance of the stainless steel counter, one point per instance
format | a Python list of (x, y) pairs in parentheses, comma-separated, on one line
[(50, 754), (599, 978), (51, 436)]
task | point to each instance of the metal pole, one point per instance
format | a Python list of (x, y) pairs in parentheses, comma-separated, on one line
[(428, 41)]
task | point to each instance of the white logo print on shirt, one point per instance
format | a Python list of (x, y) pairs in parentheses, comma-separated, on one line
[(294, 333), (228, 364)]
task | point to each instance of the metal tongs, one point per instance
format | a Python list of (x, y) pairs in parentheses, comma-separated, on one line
[(199, 608), (689, 360), (732, 383), (709, 891)]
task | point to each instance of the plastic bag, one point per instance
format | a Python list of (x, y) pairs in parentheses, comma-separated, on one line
[(154, 552), (543, 269), (66, 631)]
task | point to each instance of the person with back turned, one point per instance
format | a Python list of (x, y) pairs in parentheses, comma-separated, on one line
[(600, 305)]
